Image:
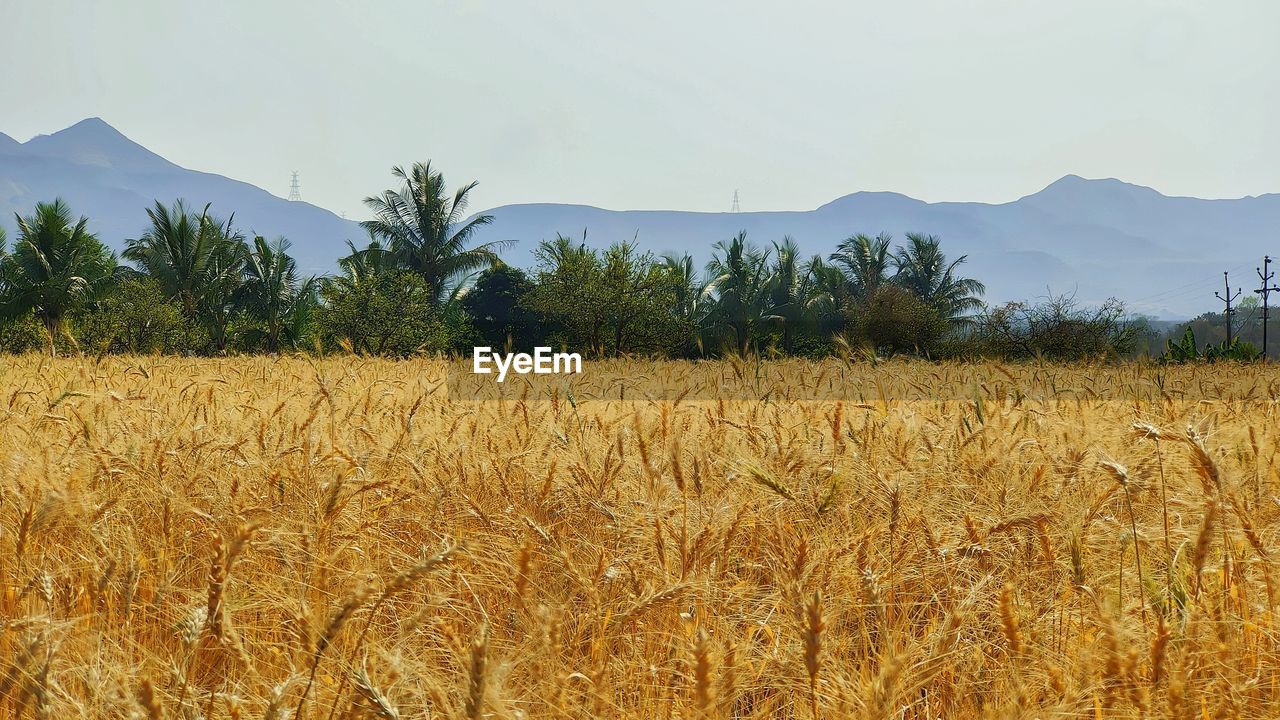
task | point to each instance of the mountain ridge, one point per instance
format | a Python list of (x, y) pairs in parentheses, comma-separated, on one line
[(108, 177), (1095, 238)]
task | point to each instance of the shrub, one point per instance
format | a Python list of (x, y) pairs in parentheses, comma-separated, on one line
[(1057, 328), (136, 318), (897, 321)]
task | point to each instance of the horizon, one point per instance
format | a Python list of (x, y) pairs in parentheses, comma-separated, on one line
[(576, 102), (1073, 234), (886, 191)]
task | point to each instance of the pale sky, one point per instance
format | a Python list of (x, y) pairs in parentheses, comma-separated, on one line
[(667, 104)]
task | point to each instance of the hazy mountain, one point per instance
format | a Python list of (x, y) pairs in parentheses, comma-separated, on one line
[(1097, 238), (113, 180)]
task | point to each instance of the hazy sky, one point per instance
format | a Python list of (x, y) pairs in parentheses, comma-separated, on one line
[(670, 105)]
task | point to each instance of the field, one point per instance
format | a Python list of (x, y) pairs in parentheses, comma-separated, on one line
[(336, 538)]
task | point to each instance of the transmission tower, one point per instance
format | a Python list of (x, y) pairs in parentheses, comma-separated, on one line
[(736, 207), (1266, 276), (295, 190), (1228, 299)]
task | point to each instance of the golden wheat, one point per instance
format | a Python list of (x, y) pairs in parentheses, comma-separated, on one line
[(357, 538)]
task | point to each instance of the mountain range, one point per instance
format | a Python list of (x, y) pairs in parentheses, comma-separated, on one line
[(1164, 256), (111, 179)]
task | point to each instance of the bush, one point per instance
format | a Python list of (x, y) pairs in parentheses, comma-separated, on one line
[(389, 313), (136, 318), (22, 335), (496, 307), (1057, 328), (1186, 350), (895, 320)]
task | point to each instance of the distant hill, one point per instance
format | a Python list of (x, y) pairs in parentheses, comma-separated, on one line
[(113, 180), (1162, 255), (1097, 238)]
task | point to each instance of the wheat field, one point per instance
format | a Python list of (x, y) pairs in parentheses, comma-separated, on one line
[(353, 538)]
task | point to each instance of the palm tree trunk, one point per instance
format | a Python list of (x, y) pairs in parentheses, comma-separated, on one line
[(51, 328)]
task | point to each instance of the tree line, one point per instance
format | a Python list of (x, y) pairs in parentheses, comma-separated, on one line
[(191, 283)]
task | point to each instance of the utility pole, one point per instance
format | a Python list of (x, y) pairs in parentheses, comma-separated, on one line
[(1266, 276), (1228, 299)]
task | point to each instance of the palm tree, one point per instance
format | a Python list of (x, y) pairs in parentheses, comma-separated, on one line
[(922, 268), (689, 290), (273, 294), (56, 265), (742, 286), (865, 262), (186, 254), (218, 304), (796, 292), (3, 255), (427, 232), (362, 264), (832, 298)]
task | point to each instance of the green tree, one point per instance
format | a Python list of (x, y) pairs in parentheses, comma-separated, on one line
[(612, 302), (426, 231), (384, 313), (833, 302), (498, 306), (566, 281), (798, 293), (182, 251), (741, 284), (923, 269), (895, 319), (137, 316), (865, 262), (19, 334), (637, 295), (56, 266), (363, 264), (273, 295), (690, 292), (218, 305)]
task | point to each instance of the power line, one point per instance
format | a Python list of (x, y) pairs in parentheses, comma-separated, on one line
[(1195, 287)]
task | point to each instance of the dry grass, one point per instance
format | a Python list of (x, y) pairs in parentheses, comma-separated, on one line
[(257, 538)]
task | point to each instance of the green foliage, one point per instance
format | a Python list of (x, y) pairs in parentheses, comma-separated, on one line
[(896, 320), (196, 261), (192, 258), (1056, 328), (56, 266), (922, 268), (1186, 350), (386, 313), (137, 317), (743, 288), (278, 303), (21, 334), (498, 308), (425, 231), (198, 287), (607, 303), (865, 262)]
